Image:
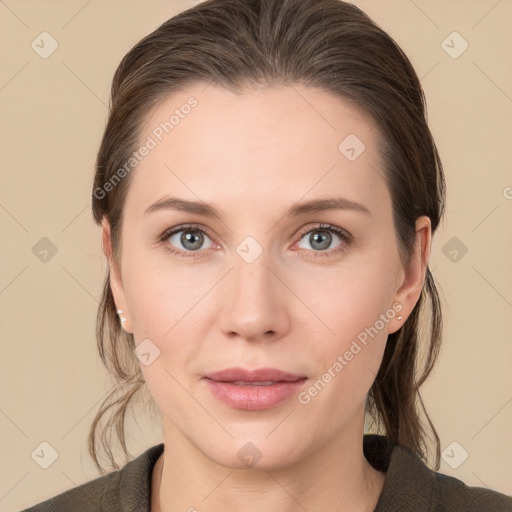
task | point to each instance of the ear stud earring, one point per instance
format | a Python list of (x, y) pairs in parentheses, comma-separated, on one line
[(399, 317), (123, 318)]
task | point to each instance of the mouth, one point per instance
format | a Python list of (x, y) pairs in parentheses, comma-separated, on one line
[(254, 390), (259, 376), (267, 383)]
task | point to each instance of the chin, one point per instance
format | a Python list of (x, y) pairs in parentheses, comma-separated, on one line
[(257, 454)]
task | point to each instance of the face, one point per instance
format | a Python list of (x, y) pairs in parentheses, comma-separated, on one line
[(312, 292)]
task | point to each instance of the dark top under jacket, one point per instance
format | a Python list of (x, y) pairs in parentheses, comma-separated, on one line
[(410, 486)]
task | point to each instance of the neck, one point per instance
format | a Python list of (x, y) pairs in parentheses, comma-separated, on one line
[(337, 477)]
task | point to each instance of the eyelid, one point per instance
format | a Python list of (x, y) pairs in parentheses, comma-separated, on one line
[(327, 227), (170, 231)]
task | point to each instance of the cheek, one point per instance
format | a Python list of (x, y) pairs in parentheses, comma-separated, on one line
[(355, 312), (348, 301), (348, 370), (160, 292)]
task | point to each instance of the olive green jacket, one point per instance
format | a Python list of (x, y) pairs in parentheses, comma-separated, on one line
[(409, 486)]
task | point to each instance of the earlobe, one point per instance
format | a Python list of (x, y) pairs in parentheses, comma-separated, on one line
[(414, 276)]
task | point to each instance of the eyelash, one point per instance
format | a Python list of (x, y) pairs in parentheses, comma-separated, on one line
[(344, 236)]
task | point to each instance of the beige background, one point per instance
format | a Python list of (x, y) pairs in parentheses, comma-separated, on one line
[(54, 112)]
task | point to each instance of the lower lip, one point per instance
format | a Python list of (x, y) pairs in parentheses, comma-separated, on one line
[(254, 398)]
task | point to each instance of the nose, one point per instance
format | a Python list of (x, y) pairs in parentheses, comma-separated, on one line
[(253, 301)]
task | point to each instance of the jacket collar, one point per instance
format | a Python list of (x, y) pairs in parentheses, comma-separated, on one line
[(134, 488), (409, 483)]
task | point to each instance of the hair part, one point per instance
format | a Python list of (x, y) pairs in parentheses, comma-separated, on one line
[(238, 44)]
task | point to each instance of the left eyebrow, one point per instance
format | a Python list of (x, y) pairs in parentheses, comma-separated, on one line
[(321, 205), (297, 209)]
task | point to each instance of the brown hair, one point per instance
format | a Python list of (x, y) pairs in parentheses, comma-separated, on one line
[(327, 44)]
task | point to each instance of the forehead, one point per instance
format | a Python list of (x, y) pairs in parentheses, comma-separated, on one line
[(265, 144)]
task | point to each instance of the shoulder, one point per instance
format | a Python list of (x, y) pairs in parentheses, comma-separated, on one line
[(125, 489), (438, 492), (454, 494), (411, 485), (85, 497)]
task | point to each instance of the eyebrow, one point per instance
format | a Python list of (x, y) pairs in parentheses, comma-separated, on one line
[(297, 209)]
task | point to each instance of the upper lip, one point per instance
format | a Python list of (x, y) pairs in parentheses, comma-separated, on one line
[(257, 375)]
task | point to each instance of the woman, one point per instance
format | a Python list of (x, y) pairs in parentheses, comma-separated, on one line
[(268, 189)]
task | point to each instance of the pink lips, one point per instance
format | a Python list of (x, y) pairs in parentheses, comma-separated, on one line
[(253, 396)]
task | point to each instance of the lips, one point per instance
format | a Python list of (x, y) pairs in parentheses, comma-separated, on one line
[(254, 390), (260, 376)]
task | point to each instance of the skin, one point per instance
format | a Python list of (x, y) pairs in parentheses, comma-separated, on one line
[(252, 156)]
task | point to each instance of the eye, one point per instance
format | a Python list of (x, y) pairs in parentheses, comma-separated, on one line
[(187, 239), (320, 238)]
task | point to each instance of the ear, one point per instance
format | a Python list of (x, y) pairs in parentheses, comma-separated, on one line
[(116, 282), (411, 279)]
